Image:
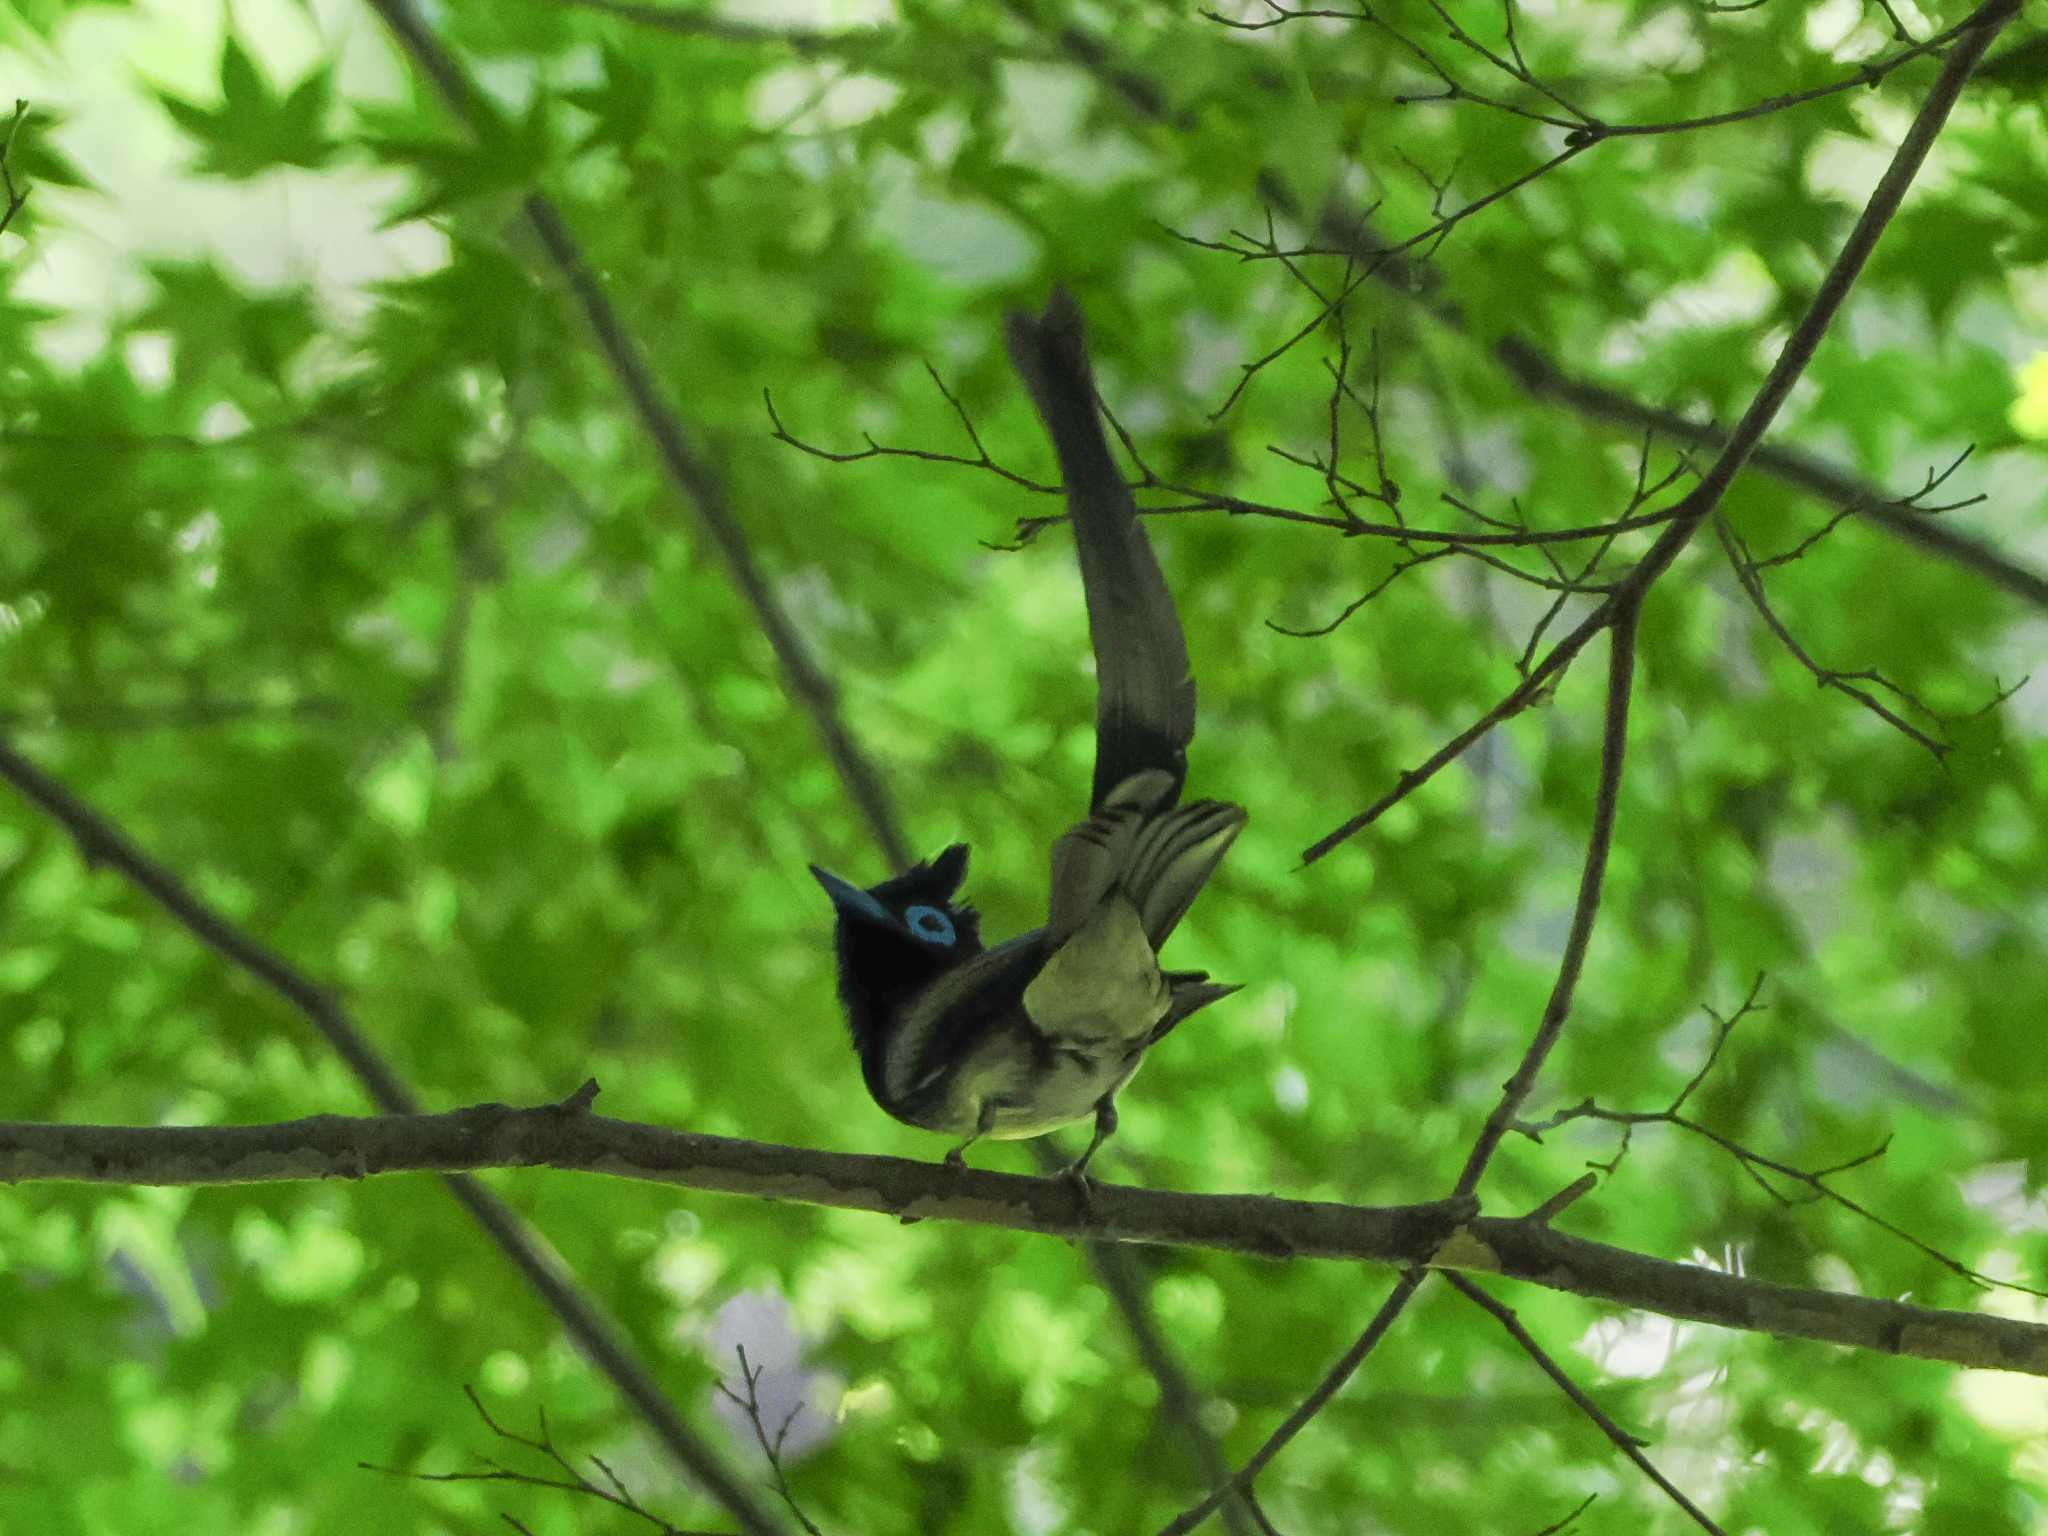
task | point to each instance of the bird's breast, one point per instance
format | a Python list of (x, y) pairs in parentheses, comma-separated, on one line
[(1034, 1084)]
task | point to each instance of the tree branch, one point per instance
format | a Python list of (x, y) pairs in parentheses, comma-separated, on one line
[(1621, 1439), (1620, 612), (691, 475), (1443, 1233), (1537, 373), (1332, 1383), (1621, 670), (601, 1339), (1701, 502)]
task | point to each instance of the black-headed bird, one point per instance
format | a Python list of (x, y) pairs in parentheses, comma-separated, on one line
[(1043, 1029)]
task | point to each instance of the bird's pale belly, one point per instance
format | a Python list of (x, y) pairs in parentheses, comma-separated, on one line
[(1031, 1098)]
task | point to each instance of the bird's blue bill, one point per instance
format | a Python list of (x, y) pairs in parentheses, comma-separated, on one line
[(848, 897)]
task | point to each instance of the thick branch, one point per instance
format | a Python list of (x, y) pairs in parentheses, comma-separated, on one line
[(1440, 1233)]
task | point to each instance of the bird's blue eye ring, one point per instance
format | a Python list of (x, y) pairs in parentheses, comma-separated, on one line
[(929, 924)]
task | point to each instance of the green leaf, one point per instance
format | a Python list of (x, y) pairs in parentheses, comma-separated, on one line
[(254, 130)]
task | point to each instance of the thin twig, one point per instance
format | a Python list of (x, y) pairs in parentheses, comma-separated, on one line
[(1332, 1382), (1431, 237), (1621, 664), (1797, 352), (875, 450), (1620, 1438), (1532, 369), (16, 197), (612, 1492), (771, 1445), (1747, 577), (1117, 1271)]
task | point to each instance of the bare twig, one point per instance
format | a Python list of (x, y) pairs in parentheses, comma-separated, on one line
[(1556, 1527), (1584, 127), (1757, 1165), (612, 1491), (1400, 569), (1534, 370), (1915, 501), (16, 196), (1748, 432), (1723, 1028), (771, 1445), (875, 450), (1620, 1438), (1846, 683), (1311, 1405), (1428, 239)]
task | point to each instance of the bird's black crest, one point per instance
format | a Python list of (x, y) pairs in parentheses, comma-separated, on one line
[(934, 880)]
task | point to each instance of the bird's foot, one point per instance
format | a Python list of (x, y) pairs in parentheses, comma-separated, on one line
[(1075, 1177), (983, 1124)]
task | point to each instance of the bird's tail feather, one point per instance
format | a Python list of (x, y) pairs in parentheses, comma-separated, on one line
[(1145, 709)]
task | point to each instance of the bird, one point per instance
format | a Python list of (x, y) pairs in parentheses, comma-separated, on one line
[(1044, 1029)]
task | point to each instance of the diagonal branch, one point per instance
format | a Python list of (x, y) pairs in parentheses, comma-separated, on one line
[(100, 842), (1620, 612), (1622, 1440), (695, 480), (1742, 441), (1621, 673), (1241, 1480), (1117, 1274), (1621, 668), (691, 475)]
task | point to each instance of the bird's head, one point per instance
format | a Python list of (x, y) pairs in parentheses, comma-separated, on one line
[(895, 938)]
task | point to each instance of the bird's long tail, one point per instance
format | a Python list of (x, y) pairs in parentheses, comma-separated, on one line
[(1145, 698)]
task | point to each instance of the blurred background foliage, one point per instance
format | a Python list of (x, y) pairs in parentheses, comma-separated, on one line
[(335, 569)]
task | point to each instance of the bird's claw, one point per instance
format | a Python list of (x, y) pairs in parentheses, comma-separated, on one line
[(1075, 1176)]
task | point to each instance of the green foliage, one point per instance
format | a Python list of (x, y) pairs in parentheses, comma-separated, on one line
[(254, 129), (334, 565)]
